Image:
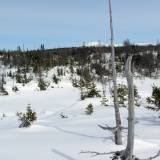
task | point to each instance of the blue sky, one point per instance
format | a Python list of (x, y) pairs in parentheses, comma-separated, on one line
[(62, 23)]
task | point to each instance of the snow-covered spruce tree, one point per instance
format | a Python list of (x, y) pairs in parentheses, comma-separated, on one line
[(88, 89), (55, 79), (19, 78), (104, 101), (154, 100), (136, 97), (119, 68), (22, 78), (9, 74), (92, 91), (3, 91), (81, 85), (89, 109), (59, 71), (71, 70), (26, 119), (26, 79), (122, 95), (104, 98), (75, 82), (15, 89), (41, 83)]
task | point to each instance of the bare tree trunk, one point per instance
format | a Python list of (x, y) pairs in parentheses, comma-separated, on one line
[(131, 114), (118, 134)]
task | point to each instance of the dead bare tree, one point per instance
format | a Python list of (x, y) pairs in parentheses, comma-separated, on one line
[(126, 154), (118, 133), (117, 130), (131, 114)]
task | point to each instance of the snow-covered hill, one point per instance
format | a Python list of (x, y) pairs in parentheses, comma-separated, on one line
[(94, 44), (54, 138)]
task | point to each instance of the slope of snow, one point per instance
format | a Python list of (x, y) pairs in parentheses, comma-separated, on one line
[(54, 138)]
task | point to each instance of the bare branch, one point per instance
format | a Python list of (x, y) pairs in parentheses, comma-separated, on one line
[(119, 154), (112, 129), (94, 153)]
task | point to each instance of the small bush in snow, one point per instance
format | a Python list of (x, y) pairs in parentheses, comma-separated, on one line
[(119, 68), (42, 85), (62, 115), (75, 83), (154, 100), (22, 78), (55, 79), (3, 91), (89, 109), (89, 90), (3, 116), (10, 74), (92, 91), (15, 89), (122, 95), (136, 96), (27, 118), (83, 96), (104, 101)]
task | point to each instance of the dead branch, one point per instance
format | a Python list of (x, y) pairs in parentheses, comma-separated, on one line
[(106, 127), (94, 153), (112, 129), (121, 154)]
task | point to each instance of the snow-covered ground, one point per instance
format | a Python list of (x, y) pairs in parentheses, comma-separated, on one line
[(54, 138)]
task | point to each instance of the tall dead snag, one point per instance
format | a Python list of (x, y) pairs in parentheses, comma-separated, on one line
[(118, 133), (131, 114)]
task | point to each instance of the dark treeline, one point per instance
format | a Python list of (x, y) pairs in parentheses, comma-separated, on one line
[(146, 59)]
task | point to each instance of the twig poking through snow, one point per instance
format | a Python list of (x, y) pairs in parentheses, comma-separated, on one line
[(94, 153), (118, 154)]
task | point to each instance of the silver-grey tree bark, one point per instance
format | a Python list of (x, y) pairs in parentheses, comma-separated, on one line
[(131, 113), (118, 133)]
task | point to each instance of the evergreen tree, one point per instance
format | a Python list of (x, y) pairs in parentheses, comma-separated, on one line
[(122, 95), (74, 82), (55, 79), (42, 84), (154, 100), (15, 89), (104, 101), (92, 91), (89, 109), (27, 118), (3, 91)]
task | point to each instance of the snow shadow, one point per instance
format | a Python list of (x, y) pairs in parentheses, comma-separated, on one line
[(152, 120), (62, 154), (82, 135)]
